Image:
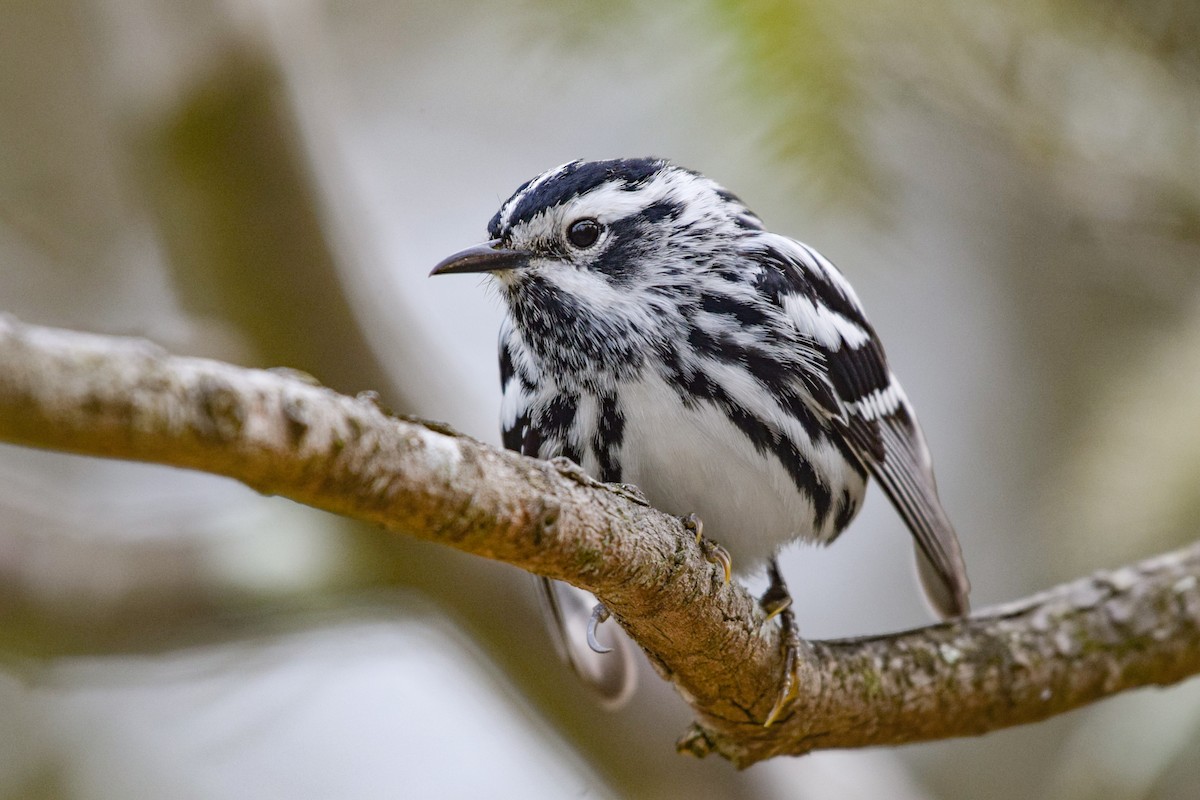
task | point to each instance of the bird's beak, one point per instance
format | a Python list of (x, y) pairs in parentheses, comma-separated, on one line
[(486, 257)]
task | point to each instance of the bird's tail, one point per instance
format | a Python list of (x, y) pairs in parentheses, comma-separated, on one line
[(612, 676)]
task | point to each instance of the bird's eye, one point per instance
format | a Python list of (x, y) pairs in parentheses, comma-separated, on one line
[(583, 233)]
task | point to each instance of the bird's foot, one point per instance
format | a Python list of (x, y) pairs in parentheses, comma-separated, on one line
[(713, 552), (789, 638), (777, 602)]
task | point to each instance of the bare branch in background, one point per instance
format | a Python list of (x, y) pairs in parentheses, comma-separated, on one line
[(280, 434)]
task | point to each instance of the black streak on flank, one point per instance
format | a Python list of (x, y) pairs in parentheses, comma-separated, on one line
[(847, 508), (556, 417), (510, 369), (514, 437), (531, 441), (544, 434), (762, 365), (693, 386), (765, 439), (610, 432), (567, 450), (506, 366)]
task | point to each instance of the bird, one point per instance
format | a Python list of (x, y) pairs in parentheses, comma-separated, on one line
[(657, 334)]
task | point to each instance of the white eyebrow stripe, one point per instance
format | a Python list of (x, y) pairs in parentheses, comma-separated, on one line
[(515, 200)]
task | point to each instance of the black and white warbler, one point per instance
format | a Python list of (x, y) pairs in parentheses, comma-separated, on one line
[(657, 335)]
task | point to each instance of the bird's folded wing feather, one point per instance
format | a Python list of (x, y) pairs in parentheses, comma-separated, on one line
[(868, 408)]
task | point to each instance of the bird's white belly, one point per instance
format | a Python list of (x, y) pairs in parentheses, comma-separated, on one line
[(695, 460)]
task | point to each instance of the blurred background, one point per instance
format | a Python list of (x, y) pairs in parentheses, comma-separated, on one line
[(1014, 190)]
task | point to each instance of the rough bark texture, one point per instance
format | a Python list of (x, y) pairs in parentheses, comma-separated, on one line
[(281, 434)]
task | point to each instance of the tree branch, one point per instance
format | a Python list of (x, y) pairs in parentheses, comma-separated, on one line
[(280, 434)]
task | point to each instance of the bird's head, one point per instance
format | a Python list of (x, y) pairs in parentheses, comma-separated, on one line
[(608, 226)]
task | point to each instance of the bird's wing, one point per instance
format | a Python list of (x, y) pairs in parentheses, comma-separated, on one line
[(866, 405)]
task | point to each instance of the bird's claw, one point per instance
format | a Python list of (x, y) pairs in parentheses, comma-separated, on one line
[(791, 684), (776, 601), (713, 552), (599, 615)]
